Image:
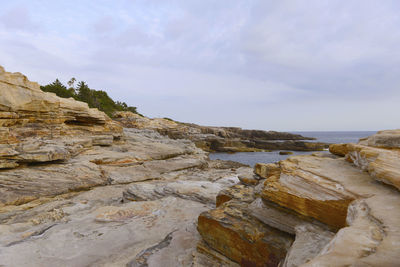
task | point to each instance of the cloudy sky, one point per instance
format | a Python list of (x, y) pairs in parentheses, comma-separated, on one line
[(267, 64)]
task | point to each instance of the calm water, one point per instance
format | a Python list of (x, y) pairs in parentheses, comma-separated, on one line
[(251, 158)]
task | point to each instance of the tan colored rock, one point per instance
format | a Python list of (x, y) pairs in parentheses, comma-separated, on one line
[(29, 115), (207, 256), (382, 164), (313, 196), (383, 139), (231, 231), (220, 139), (131, 120), (309, 242), (338, 149), (306, 186), (239, 192), (200, 191), (311, 236), (371, 227), (372, 233), (23, 185), (250, 180), (266, 170)]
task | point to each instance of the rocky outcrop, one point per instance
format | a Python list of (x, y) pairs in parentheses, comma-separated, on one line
[(39, 127), (98, 209), (221, 139), (76, 189), (334, 213)]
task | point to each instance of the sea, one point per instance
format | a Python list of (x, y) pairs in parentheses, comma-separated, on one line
[(251, 158)]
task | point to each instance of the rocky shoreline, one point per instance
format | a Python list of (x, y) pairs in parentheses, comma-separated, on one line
[(222, 139), (80, 189)]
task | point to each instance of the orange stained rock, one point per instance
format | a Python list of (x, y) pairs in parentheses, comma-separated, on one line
[(242, 238)]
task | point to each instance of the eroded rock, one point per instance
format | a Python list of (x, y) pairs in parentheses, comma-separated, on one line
[(230, 230)]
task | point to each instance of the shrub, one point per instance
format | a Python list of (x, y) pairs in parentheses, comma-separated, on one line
[(95, 98)]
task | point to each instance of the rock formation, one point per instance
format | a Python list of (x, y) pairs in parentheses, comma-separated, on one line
[(314, 210), (76, 189), (40, 127), (221, 139)]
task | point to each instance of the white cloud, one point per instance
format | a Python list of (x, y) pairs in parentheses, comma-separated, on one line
[(259, 64)]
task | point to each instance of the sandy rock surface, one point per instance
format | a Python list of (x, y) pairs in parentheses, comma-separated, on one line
[(333, 210), (76, 189)]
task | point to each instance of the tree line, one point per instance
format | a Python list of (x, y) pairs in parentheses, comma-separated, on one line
[(81, 92)]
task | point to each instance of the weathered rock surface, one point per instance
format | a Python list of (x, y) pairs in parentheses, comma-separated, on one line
[(310, 186), (46, 219), (241, 192), (230, 230), (39, 127), (337, 214), (221, 139), (380, 163), (338, 149), (77, 190)]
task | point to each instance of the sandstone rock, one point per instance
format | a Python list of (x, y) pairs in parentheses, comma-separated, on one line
[(279, 217), (221, 139), (372, 234), (29, 115), (231, 231), (249, 179), (382, 164), (67, 202), (314, 196), (266, 170), (26, 184), (150, 170), (88, 236), (310, 241), (309, 186), (383, 139), (200, 191), (338, 149), (207, 256), (239, 192)]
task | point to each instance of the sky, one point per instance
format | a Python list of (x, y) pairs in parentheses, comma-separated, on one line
[(287, 65)]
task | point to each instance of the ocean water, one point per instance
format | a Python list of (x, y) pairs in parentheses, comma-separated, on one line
[(251, 158)]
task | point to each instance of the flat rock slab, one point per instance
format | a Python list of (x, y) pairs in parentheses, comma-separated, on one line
[(113, 235), (22, 185)]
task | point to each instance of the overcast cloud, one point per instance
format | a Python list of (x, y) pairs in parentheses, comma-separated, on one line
[(281, 65)]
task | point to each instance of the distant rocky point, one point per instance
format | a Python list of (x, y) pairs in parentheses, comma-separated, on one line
[(222, 139)]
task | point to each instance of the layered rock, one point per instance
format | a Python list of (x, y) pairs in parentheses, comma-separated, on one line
[(231, 231), (78, 190), (39, 127), (221, 139), (337, 214)]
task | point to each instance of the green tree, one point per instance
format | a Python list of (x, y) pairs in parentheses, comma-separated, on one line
[(94, 98), (58, 88), (83, 93)]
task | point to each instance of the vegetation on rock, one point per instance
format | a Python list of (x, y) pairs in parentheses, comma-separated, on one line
[(95, 98)]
